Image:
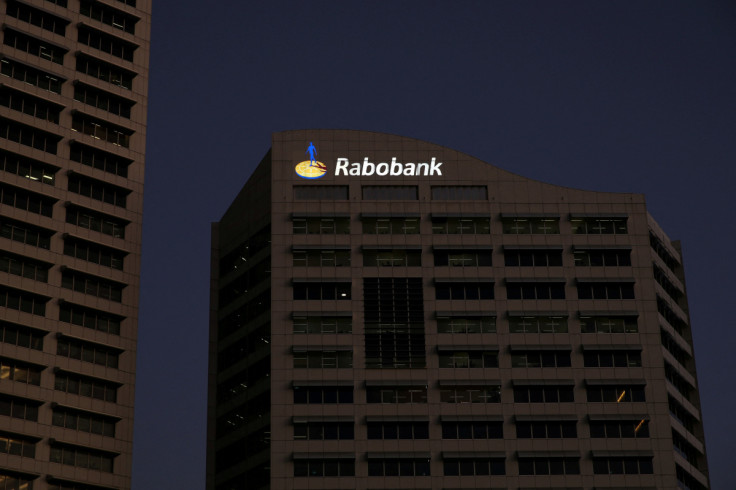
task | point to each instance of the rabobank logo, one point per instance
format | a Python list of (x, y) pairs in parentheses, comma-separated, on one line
[(311, 169)]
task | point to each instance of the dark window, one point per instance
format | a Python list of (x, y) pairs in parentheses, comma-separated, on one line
[(101, 130), (681, 414), (26, 201), (30, 75), (599, 226), (612, 358), (22, 336), (25, 233), (84, 421), (60, 3), (540, 358), (19, 408), (37, 17), (606, 290), (323, 324), (29, 136), (466, 324), (670, 261), (255, 343), (323, 359), (602, 258), (549, 466), (321, 258), (108, 15), (672, 318), (16, 299), (87, 352), (394, 394), (321, 226), (98, 190), (472, 430), (324, 467), (398, 467), (319, 431), (617, 394), (686, 481), (470, 394), (35, 47), (468, 359), (669, 287), (323, 394), (24, 267), (86, 386), (105, 71), (474, 466), (681, 384), (390, 193), (685, 449), (609, 324), (20, 372), (674, 348), (535, 290), (99, 159), (546, 429), (531, 226), (390, 226), (18, 480), (89, 318), (322, 290), (16, 445), (392, 258), (106, 43), (82, 457), (623, 466), (537, 324), (464, 290), (459, 193), (93, 285), (533, 258), (543, 394), (321, 192), (619, 428), (103, 100), (92, 220), (398, 430), (29, 104), (463, 258), (92, 252), (461, 226), (27, 168)]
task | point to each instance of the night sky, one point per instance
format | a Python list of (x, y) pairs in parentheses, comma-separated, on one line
[(618, 96)]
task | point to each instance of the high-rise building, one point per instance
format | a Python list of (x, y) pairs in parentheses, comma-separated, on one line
[(390, 313), (73, 97)]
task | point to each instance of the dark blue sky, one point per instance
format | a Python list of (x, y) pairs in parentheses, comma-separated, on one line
[(608, 96)]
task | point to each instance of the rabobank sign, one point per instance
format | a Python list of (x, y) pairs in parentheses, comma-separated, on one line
[(313, 169)]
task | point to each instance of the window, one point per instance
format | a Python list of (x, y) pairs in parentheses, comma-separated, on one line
[(106, 43), (22, 336), (29, 104), (531, 226), (602, 258), (87, 352), (470, 394), (17, 445), (463, 258), (459, 193), (37, 17), (473, 466), (323, 394), (398, 430), (103, 100), (612, 358), (35, 47), (16, 299), (607, 290), (322, 290), (681, 414), (535, 290), (98, 190), (543, 394), (238, 384), (31, 76), (12, 480), (392, 258), (390, 226), (321, 193), (92, 252), (76, 384), (248, 312), (60, 3), (84, 421), (95, 286), (658, 246), (82, 457), (390, 193), (106, 72), (324, 431), (101, 130), (20, 372), (680, 383), (674, 348), (546, 429), (686, 481), (89, 318), (599, 226), (669, 287), (466, 324), (396, 394), (254, 343), (27, 168), (92, 220), (633, 465), (321, 258), (480, 429), (537, 324), (532, 258), (24, 267), (108, 15), (257, 408), (540, 358), (25, 233), (685, 449), (324, 467), (321, 226), (549, 466), (323, 359), (609, 324), (616, 393), (19, 408), (323, 324), (464, 290), (29, 136), (619, 428), (101, 160), (26, 201), (398, 467), (460, 226), (672, 318), (128, 2), (468, 359)]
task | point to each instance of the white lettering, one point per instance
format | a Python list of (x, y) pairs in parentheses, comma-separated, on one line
[(355, 169), (367, 168), (419, 169), (435, 166), (409, 169), (366, 164), (395, 167), (342, 164), (382, 169)]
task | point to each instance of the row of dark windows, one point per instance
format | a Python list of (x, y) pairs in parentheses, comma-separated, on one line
[(457, 225), (36, 17), (36, 304), (24, 266), (108, 15), (29, 136), (28, 168), (29, 104), (98, 190)]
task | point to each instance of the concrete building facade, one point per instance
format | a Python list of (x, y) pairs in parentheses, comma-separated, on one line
[(390, 313), (73, 102)]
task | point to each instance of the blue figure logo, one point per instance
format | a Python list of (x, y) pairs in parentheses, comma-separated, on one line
[(311, 169), (312, 153)]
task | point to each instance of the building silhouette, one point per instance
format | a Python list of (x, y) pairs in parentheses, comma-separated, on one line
[(417, 318), (73, 92)]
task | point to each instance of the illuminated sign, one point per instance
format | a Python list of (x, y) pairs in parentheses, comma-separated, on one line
[(311, 169)]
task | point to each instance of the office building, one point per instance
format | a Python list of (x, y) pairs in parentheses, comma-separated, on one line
[(73, 92), (389, 313)]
